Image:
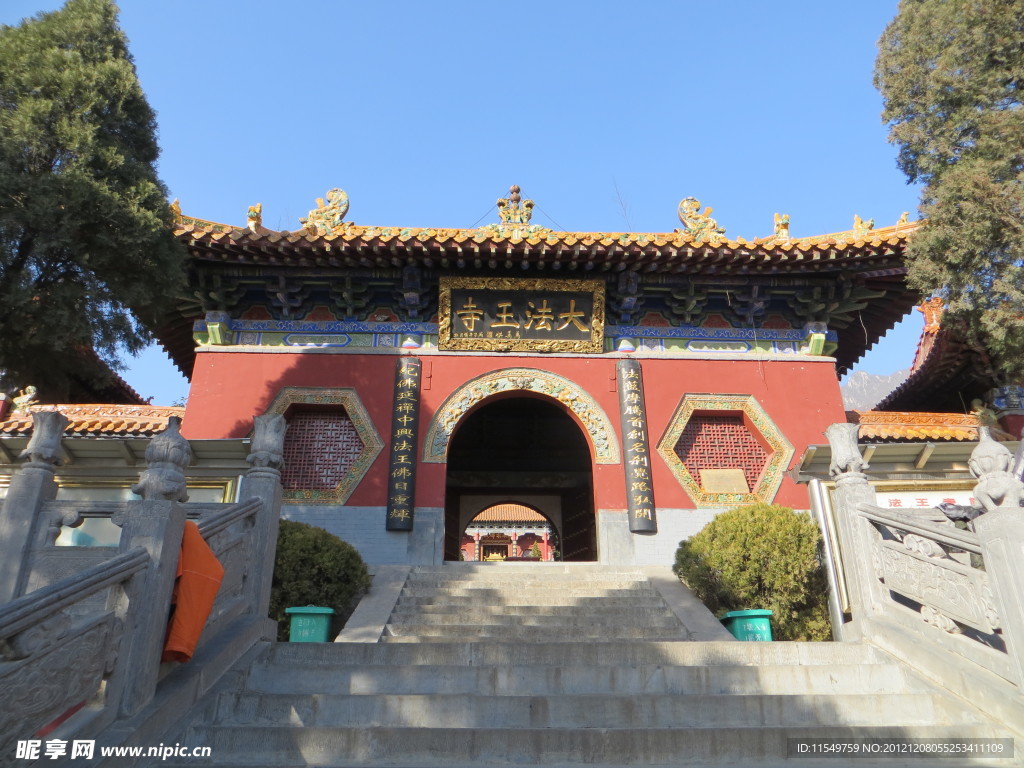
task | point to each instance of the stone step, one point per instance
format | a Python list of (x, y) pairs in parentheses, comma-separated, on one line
[(531, 574), (400, 746), (563, 571), (618, 607), (537, 593), (588, 711), (640, 679), (506, 579), (518, 601), (326, 655), (603, 622), (593, 632)]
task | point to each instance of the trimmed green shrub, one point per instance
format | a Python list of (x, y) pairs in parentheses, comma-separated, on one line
[(314, 567), (761, 556)]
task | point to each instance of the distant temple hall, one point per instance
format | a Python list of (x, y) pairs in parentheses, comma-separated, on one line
[(515, 392), (509, 531)]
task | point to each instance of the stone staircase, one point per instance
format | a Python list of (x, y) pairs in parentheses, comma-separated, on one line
[(530, 603), (559, 666)]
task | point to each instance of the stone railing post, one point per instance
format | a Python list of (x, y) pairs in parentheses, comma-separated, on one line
[(166, 458), (855, 542), (1001, 532), (21, 519), (156, 523), (263, 480)]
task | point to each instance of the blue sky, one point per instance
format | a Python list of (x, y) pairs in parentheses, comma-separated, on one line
[(607, 114)]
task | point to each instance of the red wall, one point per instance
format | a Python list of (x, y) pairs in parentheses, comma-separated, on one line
[(1012, 423), (801, 396)]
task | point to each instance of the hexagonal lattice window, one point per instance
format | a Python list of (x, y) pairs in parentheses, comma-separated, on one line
[(715, 439), (329, 446), (721, 441), (319, 449)]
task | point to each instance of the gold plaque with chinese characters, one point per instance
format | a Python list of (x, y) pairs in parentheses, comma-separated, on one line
[(513, 315), (723, 481)]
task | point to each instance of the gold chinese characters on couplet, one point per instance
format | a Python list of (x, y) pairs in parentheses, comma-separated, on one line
[(520, 315), (636, 459), (404, 437)]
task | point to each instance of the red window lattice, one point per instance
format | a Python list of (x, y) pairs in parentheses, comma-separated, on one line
[(319, 448), (720, 441)]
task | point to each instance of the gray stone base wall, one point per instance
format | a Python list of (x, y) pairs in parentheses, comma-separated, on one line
[(617, 546), (363, 528)]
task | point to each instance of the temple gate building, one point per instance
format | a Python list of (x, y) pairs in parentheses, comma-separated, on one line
[(624, 386)]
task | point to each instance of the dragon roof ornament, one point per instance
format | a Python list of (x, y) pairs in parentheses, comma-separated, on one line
[(254, 218), (932, 309), (328, 218), (700, 226), (780, 229), (862, 227)]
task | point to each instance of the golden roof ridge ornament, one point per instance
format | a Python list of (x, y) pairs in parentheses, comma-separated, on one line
[(254, 218), (781, 226), (932, 309), (699, 226), (862, 227), (25, 399), (515, 213), (513, 209), (328, 218)]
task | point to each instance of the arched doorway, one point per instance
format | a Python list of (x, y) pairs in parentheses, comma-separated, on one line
[(528, 450)]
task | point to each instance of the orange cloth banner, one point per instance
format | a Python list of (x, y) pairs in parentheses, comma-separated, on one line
[(195, 588)]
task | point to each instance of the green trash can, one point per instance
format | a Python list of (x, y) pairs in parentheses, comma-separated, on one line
[(749, 625), (309, 624)]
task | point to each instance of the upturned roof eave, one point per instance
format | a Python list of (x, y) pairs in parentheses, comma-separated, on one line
[(657, 251)]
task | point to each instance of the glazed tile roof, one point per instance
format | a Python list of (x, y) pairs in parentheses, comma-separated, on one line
[(874, 255), (511, 246), (509, 513), (907, 426), (99, 419)]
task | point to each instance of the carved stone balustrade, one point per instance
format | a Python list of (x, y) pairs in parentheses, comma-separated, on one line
[(947, 601), (54, 658), (82, 628)]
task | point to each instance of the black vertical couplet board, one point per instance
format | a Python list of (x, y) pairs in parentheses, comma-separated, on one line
[(404, 438), (636, 454)]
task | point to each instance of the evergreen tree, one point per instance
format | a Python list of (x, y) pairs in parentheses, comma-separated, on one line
[(87, 258), (951, 73)]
